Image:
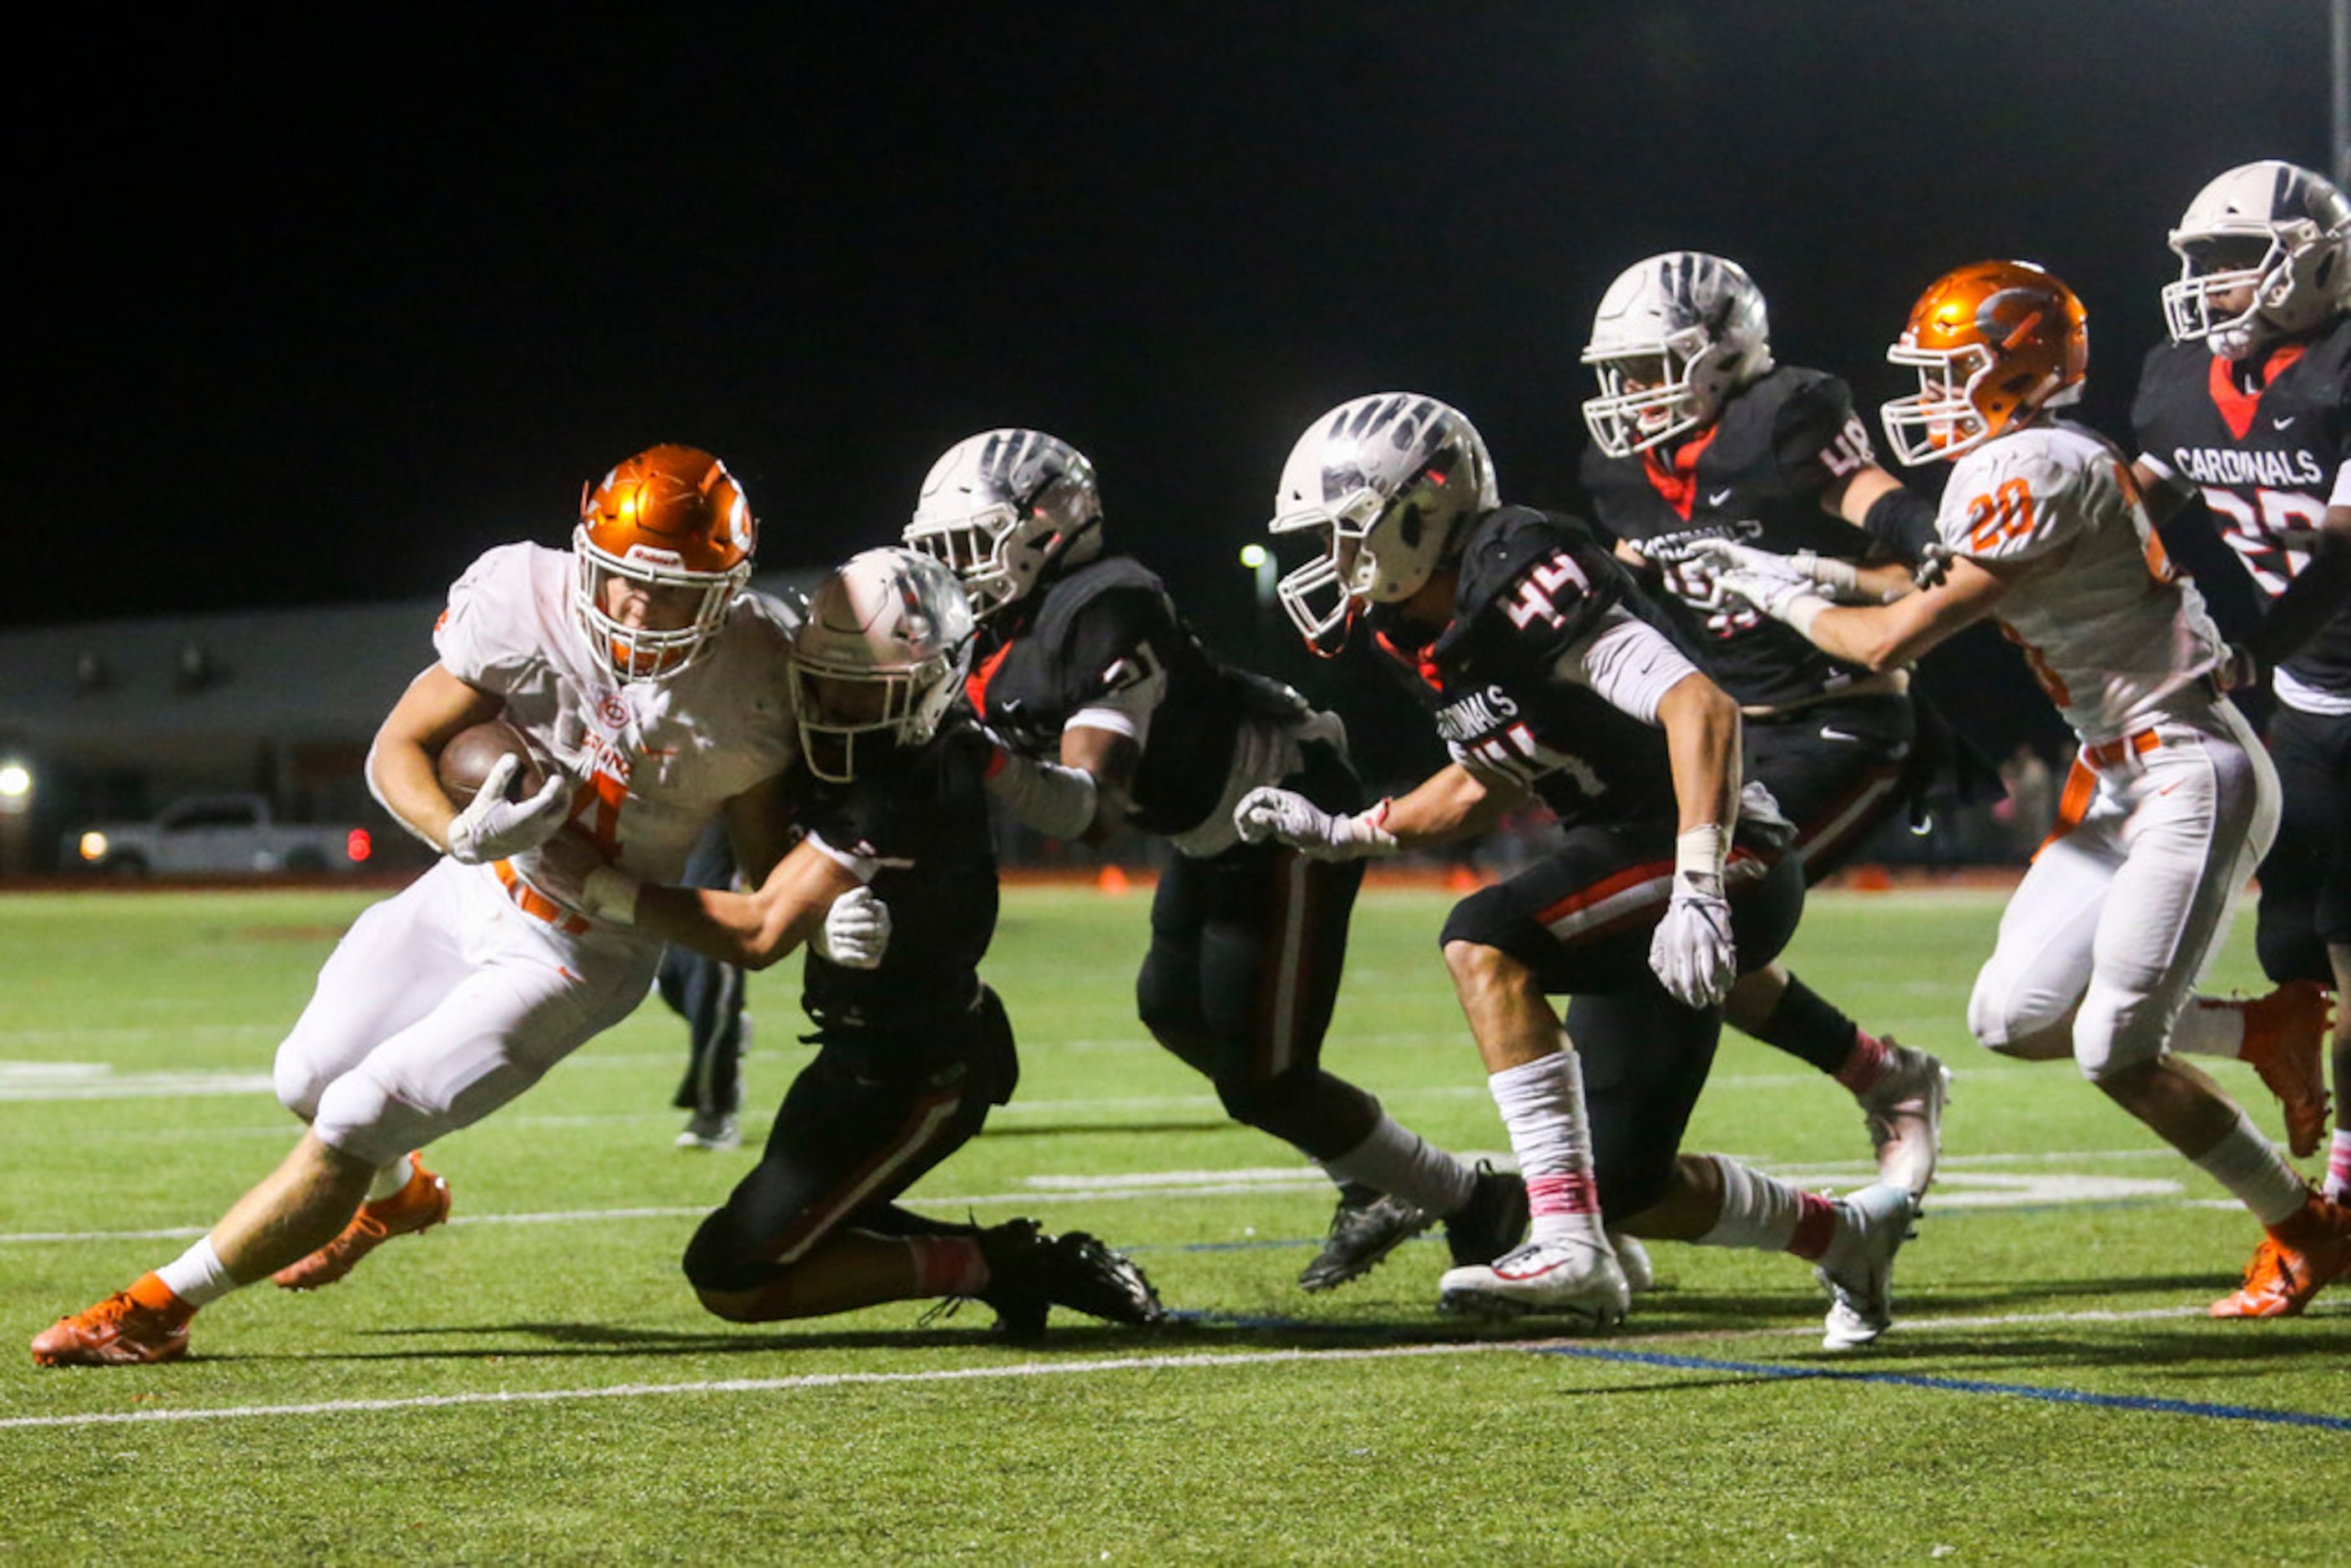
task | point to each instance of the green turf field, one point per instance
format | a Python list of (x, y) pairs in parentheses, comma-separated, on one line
[(533, 1383)]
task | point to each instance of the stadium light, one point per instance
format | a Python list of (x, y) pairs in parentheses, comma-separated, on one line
[(16, 788)]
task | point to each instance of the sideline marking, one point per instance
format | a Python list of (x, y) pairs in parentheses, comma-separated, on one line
[(1622, 1353)]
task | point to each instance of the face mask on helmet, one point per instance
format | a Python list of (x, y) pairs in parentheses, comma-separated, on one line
[(1000, 507), (1673, 337), (1383, 486), (663, 547), (1994, 343), (879, 660), (2264, 253)]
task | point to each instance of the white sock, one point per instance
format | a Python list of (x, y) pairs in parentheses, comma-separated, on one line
[(391, 1178), (197, 1276), (2208, 1027), (1766, 1214), (2251, 1169), (1397, 1160), (1542, 1102)]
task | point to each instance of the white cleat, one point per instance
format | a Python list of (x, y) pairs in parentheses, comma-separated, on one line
[(1571, 1276), (1877, 1220), (1904, 1113), (1640, 1274)]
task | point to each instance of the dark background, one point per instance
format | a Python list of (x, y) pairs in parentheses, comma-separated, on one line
[(318, 311)]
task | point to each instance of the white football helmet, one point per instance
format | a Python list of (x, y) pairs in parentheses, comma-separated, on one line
[(1000, 506), (1390, 482), (2274, 229), (1674, 336), (881, 655)]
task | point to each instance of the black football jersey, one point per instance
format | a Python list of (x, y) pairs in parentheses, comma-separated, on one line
[(2265, 462), (1533, 585), (1085, 637), (921, 816), (1755, 475)]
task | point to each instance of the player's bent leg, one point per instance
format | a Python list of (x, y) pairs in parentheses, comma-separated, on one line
[(419, 1203)]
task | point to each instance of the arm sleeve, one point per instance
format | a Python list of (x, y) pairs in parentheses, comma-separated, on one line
[(1627, 662)]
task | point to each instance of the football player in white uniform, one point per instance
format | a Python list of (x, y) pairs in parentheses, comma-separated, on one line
[(655, 690), (2249, 408), (2171, 801)]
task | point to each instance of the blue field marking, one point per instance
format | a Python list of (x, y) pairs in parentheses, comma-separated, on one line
[(1956, 1385)]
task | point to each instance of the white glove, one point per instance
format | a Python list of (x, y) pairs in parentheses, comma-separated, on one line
[(1771, 583), (493, 828), (1691, 952), (1289, 818), (856, 931), (1842, 579)]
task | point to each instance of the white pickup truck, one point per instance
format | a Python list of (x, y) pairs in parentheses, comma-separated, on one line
[(213, 835)]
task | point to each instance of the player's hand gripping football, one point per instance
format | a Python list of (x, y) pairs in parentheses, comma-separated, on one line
[(856, 930), (495, 828), (1287, 817)]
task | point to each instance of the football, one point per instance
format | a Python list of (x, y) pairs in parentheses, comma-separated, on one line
[(470, 755)]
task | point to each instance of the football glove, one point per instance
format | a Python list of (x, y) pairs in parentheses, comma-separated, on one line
[(1770, 583), (1840, 579), (856, 931), (493, 828), (1287, 817), (1691, 952)]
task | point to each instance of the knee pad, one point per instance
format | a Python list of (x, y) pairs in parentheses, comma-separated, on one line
[(715, 1262), (298, 1083), (357, 1116)]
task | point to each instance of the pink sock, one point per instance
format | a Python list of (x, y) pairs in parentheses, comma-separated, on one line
[(2338, 1167), (1866, 1065), (947, 1266)]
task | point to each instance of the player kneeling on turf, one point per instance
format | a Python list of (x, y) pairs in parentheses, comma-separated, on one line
[(915, 1048)]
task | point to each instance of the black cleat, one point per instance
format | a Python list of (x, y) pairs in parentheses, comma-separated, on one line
[(1030, 1273), (1365, 1228), (1492, 1222)]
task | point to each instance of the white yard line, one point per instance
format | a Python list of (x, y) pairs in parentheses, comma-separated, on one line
[(1204, 1361)]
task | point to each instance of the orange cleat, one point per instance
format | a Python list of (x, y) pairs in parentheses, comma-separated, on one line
[(144, 1323), (2285, 1275), (2285, 1038), (421, 1205)]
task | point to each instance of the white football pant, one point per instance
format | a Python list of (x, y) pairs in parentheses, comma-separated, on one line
[(441, 1004), (2122, 913)]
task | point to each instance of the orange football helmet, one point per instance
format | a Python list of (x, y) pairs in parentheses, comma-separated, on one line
[(673, 521), (1994, 342)]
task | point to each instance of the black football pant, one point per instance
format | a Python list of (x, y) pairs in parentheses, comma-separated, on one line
[(861, 1123), (2306, 876), (1582, 919), (1837, 768), (1243, 973)]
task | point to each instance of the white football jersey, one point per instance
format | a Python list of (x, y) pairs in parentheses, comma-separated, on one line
[(653, 760), (2110, 628)]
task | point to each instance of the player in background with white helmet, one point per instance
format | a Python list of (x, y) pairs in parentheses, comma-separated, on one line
[(653, 689), (1547, 679), (1109, 711), (1698, 435), (2249, 407), (914, 1049), (2171, 801)]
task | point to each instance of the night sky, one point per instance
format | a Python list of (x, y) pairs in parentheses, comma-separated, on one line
[(318, 315)]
